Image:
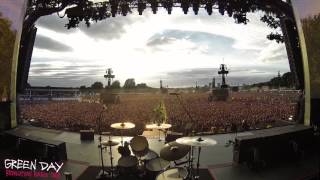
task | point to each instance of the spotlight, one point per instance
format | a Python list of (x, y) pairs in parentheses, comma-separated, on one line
[(141, 7), (124, 8), (222, 5), (195, 6), (185, 4), (114, 7), (168, 5), (208, 7), (154, 6)]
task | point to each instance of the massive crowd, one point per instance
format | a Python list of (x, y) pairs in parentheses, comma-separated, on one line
[(243, 111)]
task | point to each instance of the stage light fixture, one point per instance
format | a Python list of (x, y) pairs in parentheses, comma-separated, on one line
[(154, 6), (167, 4), (141, 7), (222, 6), (208, 7), (114, 7), (185, 4), (195, 6), (124, 8)]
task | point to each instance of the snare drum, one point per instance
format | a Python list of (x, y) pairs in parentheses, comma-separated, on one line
[(177, 173), (155, 166)]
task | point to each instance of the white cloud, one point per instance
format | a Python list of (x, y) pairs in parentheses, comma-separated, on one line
[(130, 56)]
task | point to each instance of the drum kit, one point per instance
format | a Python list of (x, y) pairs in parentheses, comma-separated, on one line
[(147, 164), (159, 127)]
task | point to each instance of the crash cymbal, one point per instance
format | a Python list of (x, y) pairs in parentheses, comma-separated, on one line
[(158, 126), (174, 151), (196, 141), (109, 143), (123, 125)]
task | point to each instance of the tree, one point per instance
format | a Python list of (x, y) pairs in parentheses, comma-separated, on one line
[(142, 85), (97, 85), (129, 83), (288, 79), (83, 87), (115, 84)]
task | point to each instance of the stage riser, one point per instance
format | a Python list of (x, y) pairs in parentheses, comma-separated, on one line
[(36, 148), (274, 146)]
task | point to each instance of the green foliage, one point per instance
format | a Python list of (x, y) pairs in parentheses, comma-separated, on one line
[(286, 80), (115, 84), (129, 83), (7, 40), (142, 85), (160, 113), (97, 85)]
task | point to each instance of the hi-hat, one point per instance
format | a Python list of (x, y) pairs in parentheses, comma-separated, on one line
[(123, 125), (174, 151), (109, 143), (158, 126), (196, 141)]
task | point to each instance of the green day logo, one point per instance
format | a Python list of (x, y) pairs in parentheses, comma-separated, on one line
[(35, 168)]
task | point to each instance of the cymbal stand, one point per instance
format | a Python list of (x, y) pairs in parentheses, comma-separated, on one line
[(111, 158), (197, 176), (102, 174), (190, 165), (111, 161)]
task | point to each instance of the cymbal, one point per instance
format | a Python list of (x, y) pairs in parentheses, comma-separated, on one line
[(158, 126), (196, 141), (109, 143), (123, 125), (174, 151)]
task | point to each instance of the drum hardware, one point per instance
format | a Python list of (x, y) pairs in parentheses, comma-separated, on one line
[(128, 165), (159, 127), (122, 126), (196, 142), (174, 151), (140, 147), (176, 173), (156, 166), (102, 174)]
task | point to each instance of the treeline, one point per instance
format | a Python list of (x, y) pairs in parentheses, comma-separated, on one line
[(128, 84), (286, 80)]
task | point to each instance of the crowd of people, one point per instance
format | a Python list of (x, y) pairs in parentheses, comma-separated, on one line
[(243, 111)]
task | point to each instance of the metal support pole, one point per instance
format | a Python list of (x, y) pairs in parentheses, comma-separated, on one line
[(198, 163)]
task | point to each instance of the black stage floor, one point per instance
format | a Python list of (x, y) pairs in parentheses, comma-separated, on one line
[(216, 161)]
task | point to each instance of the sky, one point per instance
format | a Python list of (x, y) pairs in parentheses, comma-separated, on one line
[(178, 49)]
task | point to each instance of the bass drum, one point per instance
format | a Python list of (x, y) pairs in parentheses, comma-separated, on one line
[(139, 146), (155, 166), (177, 173)]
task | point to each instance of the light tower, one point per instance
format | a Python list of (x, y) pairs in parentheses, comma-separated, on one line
[(224, 71), (109, 76), (213, 83)]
